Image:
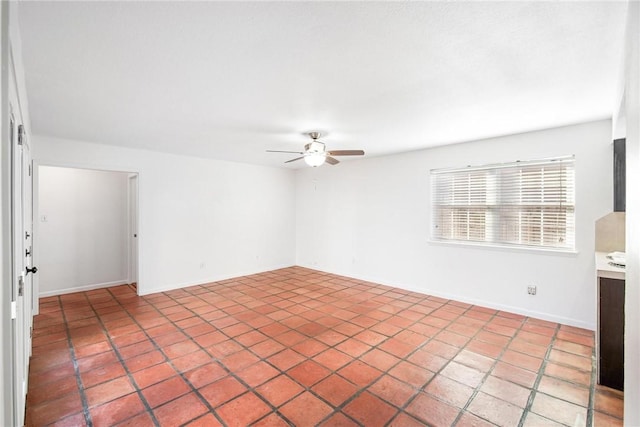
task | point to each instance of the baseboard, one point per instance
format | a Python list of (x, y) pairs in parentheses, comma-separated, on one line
[(174, 286), (511, 309), (483, 303), (83, 288)]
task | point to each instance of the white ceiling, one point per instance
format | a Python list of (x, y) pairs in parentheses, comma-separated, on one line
[(229, 80)]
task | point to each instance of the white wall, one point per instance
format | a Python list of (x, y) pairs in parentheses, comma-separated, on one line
[(200, 220), (369, 219), (632, 298), (83, 242)]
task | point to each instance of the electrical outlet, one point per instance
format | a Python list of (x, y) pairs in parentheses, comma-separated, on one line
[(202, 265), (531, 290)]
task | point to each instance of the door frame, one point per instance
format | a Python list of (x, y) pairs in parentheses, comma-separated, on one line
[(132, 229), (35, 260), (7, 208)]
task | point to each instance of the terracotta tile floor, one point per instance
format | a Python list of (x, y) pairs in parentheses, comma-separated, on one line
[(299, 347)]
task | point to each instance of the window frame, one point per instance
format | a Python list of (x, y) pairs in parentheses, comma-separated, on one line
[(495, 210)]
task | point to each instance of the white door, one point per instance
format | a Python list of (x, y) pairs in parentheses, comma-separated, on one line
[(21, 241), (133, 229), (27, 223)]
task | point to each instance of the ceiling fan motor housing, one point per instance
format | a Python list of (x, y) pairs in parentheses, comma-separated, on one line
[(315, 135)]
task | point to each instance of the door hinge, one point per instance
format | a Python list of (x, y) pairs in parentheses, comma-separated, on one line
[(29, 170), (20, 134), (14, 309)]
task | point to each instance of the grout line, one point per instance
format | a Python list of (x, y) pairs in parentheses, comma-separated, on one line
[(265, 360), (229, 371), (121, 360), (497, 359), (476, 390), (592, 387), (76, 369), (260, 358), (431, 339), (119, 357), (189, 338), (309, 389), (536, 383), (170, 361)]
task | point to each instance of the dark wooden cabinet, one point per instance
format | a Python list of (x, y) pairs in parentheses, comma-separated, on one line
[(611, 333)]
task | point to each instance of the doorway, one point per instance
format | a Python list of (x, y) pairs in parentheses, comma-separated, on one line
[(84, 223)]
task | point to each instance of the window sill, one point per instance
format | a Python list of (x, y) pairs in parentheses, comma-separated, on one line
[(507, 248)]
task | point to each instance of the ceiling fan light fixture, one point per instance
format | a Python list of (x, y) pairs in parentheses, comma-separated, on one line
[(315, 159), (315, 152)]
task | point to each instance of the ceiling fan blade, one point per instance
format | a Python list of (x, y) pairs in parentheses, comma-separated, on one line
[(293, 160), (278, 151), (331, 160), (346, 153)]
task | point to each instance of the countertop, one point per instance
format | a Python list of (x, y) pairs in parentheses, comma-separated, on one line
[(606, 270)]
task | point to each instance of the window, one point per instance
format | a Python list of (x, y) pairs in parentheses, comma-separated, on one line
[(528, 204)]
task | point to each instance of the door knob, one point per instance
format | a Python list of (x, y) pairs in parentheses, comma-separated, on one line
[(33, 270)]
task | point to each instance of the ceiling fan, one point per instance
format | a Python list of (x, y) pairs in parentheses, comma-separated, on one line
[(315, 152)]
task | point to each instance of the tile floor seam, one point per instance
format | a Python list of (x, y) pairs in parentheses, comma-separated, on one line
[(121, 359), (541, 374), (306, 388), (592, 387), (180, 374), (76, 368), (536, 383), (449, 360), (476, 391), (361, 390), (249, 389), (365, 389), (146, 404), (195, 390)]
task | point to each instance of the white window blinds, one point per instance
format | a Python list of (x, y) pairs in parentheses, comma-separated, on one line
[(522, 203)]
